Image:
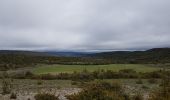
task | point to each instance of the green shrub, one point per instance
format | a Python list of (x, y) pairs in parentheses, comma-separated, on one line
[(5, 74), (48, 77), (152, 81), (164, 92), (13, 96), (21, 74), (139, 81), (127, 71), (160, 95), (59, 87), (145, 87), (6, 86), (63, 76), (138, 97), (29, 74), (74, 83), (46, 96), (99, 91), (39, 82)]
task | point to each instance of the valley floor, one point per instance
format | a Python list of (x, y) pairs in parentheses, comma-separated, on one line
[(44, 69)]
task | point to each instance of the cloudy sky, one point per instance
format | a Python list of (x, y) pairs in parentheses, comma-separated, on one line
[(84, 25)]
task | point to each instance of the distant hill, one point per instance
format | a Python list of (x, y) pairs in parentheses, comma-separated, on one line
[(156, 55), (68, 54), (45, 53), (18, 52), (19, 59)]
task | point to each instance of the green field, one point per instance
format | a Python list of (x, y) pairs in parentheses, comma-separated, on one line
[(44, 69)]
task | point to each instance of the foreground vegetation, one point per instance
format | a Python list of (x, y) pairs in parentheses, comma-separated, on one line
[(50, 87), (106, 76), (90, 82), (53, 69), (117, 89), (100, 91), (98, 84), (86, 75)]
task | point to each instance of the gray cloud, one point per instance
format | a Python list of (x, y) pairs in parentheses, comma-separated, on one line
[(84, 24)]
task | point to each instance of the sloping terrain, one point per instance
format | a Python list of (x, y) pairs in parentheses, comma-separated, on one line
[(157, 55)]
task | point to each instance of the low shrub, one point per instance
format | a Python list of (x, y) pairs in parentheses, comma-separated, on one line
[(39, 82), (87, 76), (13, 96), (138, 97), (29, 74), (152, 81), (99, 91), (139, 81), (48, 77), (46, 96), (74, 83), (22, 74), (145, 87), (6, 86), (163, 93), (127, 71)]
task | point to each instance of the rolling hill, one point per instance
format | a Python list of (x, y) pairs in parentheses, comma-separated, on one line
[(156, 55)]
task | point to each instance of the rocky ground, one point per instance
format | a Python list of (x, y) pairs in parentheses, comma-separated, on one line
[(24, 95), (26, 89)]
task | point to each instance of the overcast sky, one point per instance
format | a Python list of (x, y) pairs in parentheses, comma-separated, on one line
[(84, 25)]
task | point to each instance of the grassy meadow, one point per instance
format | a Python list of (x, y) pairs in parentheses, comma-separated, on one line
[(53, 69)]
